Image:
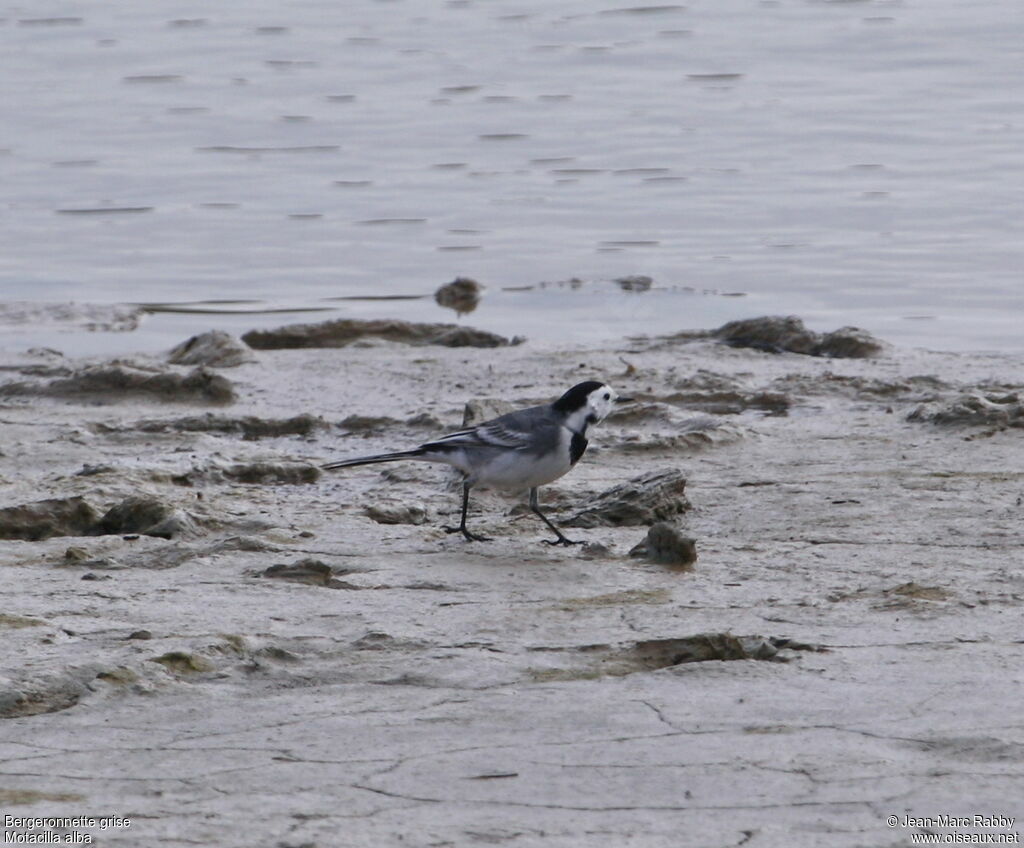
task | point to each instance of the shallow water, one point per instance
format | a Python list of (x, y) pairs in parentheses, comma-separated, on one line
[(851, 162)]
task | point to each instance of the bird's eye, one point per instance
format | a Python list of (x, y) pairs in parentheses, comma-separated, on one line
[(607, 396)]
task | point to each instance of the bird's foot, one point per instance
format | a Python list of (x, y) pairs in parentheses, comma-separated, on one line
[(470, 537), (562, 540)]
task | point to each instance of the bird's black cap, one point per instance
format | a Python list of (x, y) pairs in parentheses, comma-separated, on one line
[(576, 397)]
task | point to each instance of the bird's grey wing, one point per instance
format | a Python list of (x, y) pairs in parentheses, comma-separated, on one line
[(513, 431), (491, 434)]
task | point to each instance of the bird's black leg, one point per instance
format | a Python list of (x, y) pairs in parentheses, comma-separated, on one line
[(471, 537), (535, 506)]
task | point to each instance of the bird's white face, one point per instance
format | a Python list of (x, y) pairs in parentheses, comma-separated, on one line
[(598, 405), (601, 402)]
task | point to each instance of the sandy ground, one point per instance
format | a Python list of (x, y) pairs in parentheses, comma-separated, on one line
[(434, 692)]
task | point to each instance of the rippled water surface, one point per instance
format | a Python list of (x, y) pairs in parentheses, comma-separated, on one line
[(853, 162)]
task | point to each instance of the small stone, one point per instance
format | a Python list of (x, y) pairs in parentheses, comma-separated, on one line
[(139, 634), (76, 554), (665, 545)]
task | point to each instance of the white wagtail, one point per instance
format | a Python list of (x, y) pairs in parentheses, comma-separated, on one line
[(520, 450)]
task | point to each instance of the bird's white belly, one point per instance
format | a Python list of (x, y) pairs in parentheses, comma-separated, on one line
[(520, 470)]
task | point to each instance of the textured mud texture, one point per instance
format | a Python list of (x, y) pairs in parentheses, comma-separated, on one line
[(651, 497), (308, 665), (116, 383), (73, 516), (346, 331), (262, 473), (777, 334), (43, 519), (977, 409), (247, 426), (147, 515)]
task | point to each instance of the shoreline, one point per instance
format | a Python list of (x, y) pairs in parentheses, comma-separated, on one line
[(549, 313), (398, 685)]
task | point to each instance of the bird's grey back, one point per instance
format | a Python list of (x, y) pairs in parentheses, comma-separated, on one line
[(539, 423), (533, 430)]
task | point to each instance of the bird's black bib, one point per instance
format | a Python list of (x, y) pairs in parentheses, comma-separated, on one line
[(576, 448)]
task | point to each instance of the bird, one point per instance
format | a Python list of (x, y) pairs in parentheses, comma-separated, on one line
[(520, 450)]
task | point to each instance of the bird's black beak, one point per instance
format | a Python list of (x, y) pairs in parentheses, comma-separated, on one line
[(624, 400)]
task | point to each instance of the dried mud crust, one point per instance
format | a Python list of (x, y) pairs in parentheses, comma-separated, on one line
[(309, 637)]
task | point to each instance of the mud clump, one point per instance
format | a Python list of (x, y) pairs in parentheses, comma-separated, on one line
[(249, 427), (462, 295), (43, 694), (732, 402), (183, 663), (635, 283), (272, 473), (111, 383), (33, 522), (720, 394), (647, 655), (778, 334), (147, 516), (94, 317), (215, 349), (977, 409), (906, 596), (367, 424), (346, 331), (922, 388), (310, 571), (666, 545), (848, 343), (479, 410), (653, 654), (655, 496), (396, 514)]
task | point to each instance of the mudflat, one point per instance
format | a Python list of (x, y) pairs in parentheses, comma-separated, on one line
[(209, 638)]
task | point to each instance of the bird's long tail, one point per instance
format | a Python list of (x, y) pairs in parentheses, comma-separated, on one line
[(415, 453)]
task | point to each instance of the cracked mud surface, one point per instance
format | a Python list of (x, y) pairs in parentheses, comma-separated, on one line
[(400, 686)]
